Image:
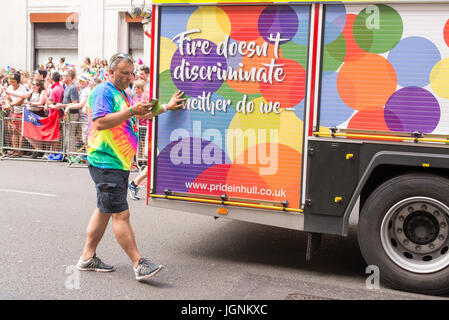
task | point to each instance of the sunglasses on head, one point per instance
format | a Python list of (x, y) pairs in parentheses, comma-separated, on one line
[(120, 56)]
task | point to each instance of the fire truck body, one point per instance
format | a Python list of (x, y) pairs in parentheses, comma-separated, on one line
[(301, 113)]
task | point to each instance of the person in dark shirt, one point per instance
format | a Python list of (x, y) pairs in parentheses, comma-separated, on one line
[(71, 96)]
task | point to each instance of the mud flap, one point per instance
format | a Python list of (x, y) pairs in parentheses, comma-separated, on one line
[(313, 244)]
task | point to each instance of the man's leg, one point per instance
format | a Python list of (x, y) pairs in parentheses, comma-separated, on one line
[(95, 230), (141, 176), (125, 235)]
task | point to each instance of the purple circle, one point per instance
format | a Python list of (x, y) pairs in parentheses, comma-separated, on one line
[(174, 173), (190, 61), (412, 109), (274, 19)]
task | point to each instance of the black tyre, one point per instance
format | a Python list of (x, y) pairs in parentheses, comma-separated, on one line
[(404, 230)]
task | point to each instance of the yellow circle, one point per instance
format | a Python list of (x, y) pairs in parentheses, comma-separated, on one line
[(439, 78), (168, 49), (250, 129), (213, 23)]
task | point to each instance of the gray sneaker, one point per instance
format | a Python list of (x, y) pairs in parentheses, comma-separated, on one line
[(133, 189), (94, 264), (146, 269)]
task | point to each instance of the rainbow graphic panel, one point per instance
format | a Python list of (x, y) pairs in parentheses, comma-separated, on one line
[(243, 70), (386, 68)]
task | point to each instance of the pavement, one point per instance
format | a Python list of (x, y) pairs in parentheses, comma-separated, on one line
[(45, 208)]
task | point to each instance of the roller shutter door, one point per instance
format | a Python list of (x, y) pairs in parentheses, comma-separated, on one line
[(55, 40), (55, 36), (136, 39), (243, 69), (386, 68)]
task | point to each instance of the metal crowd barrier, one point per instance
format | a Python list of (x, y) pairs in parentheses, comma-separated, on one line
[(71, 145), (14, 145), (1, 136), (142, 147)]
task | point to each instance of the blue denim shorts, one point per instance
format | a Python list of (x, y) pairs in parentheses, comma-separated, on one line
[(112, 189)]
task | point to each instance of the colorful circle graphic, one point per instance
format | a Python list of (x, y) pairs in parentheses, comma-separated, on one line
[(214, 28), (369, 119), (446, 32), (412, 109), (168, 48), (334, 54), (252, 63), (333, 111), (439, 78), (281, 172), (367, 82), (183, 160), (335, 21), (302, 35), (278, 19), (353, 51), (378, 28), (413, 59), (244, 25), (183, 65), (293, 82)]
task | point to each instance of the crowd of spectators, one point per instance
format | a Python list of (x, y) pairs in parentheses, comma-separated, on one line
[(57, 88)]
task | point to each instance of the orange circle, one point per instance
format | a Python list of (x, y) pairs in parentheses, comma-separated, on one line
[(244, 23), (282, 174), (446, 32), (367, 83), (370, 119)]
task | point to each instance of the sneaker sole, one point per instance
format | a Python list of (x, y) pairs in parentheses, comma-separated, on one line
[(95, 269), (148, 276)]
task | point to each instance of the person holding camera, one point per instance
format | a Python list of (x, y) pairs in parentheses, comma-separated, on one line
[(112, 144)]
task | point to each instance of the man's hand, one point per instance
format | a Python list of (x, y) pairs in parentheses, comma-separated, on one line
[(142, 108), (176, 102)]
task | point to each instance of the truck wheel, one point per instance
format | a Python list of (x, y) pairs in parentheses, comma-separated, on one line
[(404, 230)]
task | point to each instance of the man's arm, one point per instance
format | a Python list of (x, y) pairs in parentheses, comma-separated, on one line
[(75, 106), (176, 102)]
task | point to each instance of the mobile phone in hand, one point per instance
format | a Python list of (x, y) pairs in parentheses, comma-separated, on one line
[(156, 106)]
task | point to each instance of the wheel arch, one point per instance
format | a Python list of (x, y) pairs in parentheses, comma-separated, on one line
[(386, 165)]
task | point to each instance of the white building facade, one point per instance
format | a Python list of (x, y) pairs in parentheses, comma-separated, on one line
[(33, 30)]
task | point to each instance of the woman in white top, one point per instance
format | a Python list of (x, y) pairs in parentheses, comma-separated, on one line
[(38, 98)]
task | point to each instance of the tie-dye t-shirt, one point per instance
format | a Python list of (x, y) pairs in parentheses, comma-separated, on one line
[(112, 148)]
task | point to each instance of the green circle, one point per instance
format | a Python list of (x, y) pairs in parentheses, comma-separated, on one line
[(378, 28), (228, 93), (166, 87), (296, 52)]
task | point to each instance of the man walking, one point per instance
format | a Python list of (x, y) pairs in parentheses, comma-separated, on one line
[(112, 144)]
